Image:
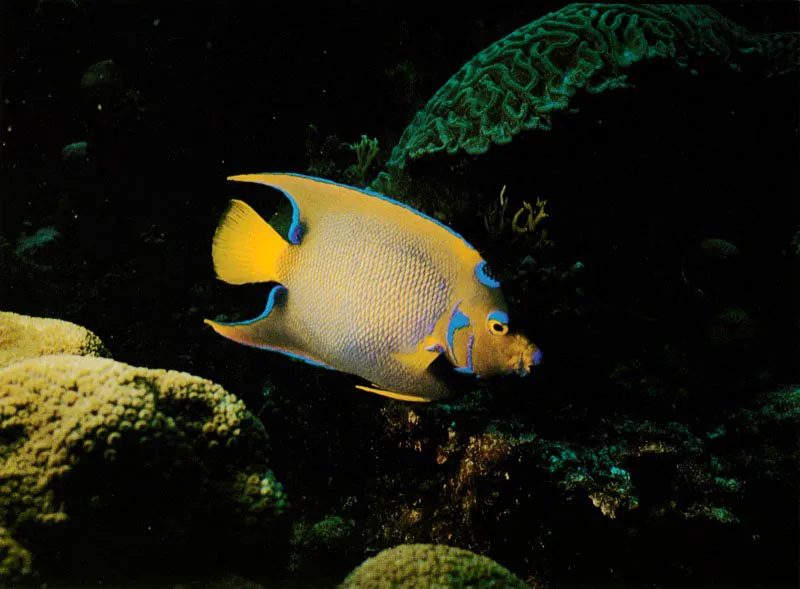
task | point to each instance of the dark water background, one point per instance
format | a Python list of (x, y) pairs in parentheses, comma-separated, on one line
[(210, 89)]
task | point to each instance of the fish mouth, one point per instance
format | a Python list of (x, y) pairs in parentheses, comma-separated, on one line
[(530, 357)]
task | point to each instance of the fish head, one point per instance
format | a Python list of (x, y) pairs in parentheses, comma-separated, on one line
[(481, 339), (496, 350), (480, 330)]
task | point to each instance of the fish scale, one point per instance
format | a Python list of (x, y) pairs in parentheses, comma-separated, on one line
[(394, 284)]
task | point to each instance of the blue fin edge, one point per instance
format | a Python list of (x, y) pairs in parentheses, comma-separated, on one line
[(297, 356), (277, 290), (296, 219), (296, 228)]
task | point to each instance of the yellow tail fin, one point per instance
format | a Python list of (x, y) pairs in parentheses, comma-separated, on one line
[(246, 248)]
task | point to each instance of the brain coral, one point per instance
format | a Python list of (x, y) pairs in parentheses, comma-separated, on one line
[(783, 52), (518, 82), (23, 337), (411, 566), (122, 463)]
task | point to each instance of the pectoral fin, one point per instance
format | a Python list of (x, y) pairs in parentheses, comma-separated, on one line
[(420, 359), (416, 362)]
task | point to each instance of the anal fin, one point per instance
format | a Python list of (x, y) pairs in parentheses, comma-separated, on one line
[(392, 395)]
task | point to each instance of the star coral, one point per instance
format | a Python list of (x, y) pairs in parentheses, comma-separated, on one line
[(23, 337), (90, 445), (410, 566)]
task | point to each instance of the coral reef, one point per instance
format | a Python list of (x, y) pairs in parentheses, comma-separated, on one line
[(412, 566), (500, 490), (520, 81), (23, 337), (15, 561), (783, 52), (334, 544), (330, 158), (366, 150), (656, 445), (766, 443), (92, 445), (102, 76)]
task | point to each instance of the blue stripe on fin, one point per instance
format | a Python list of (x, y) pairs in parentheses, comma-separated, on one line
[(296, 228), (293, 355), (485, 275), (276, 296), (376, 195), (297, 356)]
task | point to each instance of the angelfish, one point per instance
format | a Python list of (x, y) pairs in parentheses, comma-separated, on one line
[(369, 286)]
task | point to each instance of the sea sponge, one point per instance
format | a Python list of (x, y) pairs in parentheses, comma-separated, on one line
[(410, 566), (23, 337), (89, 445)]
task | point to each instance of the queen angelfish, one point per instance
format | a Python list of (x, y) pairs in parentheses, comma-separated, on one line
[(368, 286)]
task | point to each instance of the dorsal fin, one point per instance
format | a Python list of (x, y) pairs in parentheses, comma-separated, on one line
[(314, 198)]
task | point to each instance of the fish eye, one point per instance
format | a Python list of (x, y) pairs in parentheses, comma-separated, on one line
[(498, 328), (497, 322)]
